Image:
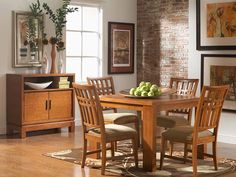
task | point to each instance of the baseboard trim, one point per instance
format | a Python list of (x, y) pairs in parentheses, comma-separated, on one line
[(2, 130), (227, 138)]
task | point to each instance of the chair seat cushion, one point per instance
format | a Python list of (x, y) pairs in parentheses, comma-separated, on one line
[(171, 121), (183, 134), (115, 132), (119, 118)]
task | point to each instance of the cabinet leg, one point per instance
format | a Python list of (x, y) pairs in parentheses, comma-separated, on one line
[(22, 133), (72, 127)]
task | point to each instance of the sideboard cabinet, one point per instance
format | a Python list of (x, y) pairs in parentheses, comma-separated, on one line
[(30, 109)]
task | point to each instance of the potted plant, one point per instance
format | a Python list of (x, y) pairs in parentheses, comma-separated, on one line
[(58, 17)]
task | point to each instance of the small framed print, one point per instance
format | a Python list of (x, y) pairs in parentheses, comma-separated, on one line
[(27, 39), (120, 48)]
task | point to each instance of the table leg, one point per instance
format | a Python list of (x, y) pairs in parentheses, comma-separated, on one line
[(149, 139)]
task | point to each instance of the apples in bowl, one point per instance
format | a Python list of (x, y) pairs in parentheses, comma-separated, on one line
[(145, 89)]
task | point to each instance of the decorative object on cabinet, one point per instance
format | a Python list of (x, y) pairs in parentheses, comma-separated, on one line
[(220, 69), (216, 25), (52, 107), (27, 39), (38, 86), (58, 17), (120, 48)]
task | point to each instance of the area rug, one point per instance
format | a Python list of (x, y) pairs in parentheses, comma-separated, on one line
[(171, 168)]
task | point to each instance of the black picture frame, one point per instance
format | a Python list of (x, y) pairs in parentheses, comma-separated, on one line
[(227, 63), (120, 48), (209, 43)]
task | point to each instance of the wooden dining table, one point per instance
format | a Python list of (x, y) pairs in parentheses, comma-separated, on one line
[(149, 107)]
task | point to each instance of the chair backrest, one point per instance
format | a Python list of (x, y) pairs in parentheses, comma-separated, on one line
[(104, 86), (210, 107), (184, 87), (90, 107)]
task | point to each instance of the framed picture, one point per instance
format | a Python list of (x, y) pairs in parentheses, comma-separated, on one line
[(216, 24), (120, 48), (27, 39), (220, 69)]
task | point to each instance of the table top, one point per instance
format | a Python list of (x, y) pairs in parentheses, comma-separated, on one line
[(163, 99)]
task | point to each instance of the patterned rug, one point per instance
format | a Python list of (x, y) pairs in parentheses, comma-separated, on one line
[(125, 167)]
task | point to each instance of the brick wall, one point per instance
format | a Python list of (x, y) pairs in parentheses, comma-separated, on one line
[(162, 40)]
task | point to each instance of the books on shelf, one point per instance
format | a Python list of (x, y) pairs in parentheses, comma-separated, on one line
[(63, 82)]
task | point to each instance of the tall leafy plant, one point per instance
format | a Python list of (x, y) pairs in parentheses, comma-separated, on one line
[(58, 17)]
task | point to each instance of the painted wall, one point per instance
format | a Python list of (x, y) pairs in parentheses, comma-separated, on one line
[(113, 10), (227, 131)]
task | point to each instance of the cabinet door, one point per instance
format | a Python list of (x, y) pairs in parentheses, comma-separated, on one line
[(35, 107), (60, 104)]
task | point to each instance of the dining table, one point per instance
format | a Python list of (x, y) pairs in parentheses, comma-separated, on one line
[(150, 108)]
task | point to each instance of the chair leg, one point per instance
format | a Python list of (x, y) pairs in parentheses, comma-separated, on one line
[(135, 150), (214, 155), (136, 124), (84, 153), (171, 148), (185, 152), (103, 158), (112, 149), (194, 160), (163, 146)]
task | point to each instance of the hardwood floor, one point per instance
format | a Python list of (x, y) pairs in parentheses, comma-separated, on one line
[(23, 157)]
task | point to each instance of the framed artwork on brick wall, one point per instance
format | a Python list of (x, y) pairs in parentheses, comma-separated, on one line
[(220, 69), (216, 25), (120, 48)]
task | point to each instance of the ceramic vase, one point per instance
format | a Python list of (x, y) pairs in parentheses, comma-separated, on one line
[(53, 59)]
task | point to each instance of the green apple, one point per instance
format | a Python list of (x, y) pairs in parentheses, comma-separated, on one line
[(157, 92), (154, 88), (144, 88), (142, 84), (137, 92), (131, 91), (150, 93), (144, 93), (148, 85)]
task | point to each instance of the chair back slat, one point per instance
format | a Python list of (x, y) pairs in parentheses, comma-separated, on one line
[(184, 87), (90, 107), (210, 107), (104, 86)]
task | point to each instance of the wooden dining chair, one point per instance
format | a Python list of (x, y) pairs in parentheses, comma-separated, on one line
[(105, 86), (178, 117), (94, 128), (205, 127)]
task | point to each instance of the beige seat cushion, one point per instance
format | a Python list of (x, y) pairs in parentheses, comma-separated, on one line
[(119, 118), (115, 132), (171, 121), (183, 134)]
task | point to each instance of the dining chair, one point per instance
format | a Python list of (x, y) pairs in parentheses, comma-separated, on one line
[(95, 130), (179, 117), (105, 86), (205, 127)]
